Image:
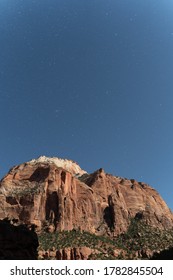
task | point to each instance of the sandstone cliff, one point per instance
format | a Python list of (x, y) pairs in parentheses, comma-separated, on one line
[(59, 194)]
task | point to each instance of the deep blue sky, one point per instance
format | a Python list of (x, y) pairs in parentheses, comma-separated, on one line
[(90, 81)]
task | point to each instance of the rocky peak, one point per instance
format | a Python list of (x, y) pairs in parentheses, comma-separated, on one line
[(68, 165), (46, 190)]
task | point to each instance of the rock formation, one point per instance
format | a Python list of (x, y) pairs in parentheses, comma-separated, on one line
[(59, 194), (80, 253)]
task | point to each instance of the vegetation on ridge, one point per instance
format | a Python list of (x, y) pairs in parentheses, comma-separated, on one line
[(139, 242)]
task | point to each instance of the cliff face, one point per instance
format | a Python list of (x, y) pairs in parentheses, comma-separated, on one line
[(121, 199), (41, 192)]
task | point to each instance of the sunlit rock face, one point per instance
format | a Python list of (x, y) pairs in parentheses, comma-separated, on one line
[(59, 193)]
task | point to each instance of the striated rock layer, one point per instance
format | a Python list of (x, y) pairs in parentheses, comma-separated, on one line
[(79, 253), (47, 191)]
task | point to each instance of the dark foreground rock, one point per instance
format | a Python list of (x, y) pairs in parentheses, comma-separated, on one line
[(17, 242), (163, 255)]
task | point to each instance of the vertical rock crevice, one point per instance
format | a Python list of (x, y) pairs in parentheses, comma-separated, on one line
[(52, 208), (109, 214)]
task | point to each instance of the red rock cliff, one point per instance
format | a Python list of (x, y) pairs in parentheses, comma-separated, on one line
[(40, 191)]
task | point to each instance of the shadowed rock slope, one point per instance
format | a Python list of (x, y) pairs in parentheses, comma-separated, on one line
[(163, 255), (17, 242)]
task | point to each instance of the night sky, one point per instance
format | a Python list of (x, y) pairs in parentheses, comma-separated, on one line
[(91, 81)]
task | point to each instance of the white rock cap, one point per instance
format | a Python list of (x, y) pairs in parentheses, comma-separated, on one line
[(66, 164)]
